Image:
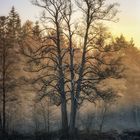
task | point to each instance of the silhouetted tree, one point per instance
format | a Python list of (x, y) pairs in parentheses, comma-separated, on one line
[(37, 30), (54, 50), (62, 73), (9, 37)]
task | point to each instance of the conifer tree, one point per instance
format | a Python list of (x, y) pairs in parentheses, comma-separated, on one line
[(36, 30), (9, 37), (14, 24)]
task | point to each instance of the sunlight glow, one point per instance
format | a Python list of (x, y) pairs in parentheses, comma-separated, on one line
[(129, 18)]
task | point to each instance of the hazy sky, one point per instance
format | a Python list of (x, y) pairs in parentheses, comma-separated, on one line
[(129, 15)]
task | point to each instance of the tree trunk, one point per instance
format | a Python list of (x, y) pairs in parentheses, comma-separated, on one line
[(75, 98), (0, 121), (103, 118), (3, 91), (64, 115), (48, 116), (4, 116), (73, 117)]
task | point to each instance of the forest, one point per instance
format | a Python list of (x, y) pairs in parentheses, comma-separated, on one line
[(66, 76)]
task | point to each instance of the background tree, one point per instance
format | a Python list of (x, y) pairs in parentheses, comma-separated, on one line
[(9, 37), (43, 114), (87, 120)]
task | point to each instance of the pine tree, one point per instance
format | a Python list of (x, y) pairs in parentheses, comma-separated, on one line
[(2, 67), (14, 24), (9, 36), (36, 30)]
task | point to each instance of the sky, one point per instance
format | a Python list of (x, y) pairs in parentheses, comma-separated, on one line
[(128, 24)]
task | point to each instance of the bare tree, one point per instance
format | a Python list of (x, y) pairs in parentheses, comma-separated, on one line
[(92, 11), (61, 72), (50, 57), (43, 115), (46, 109), (87, 121), (36, 119), (109, 99)]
